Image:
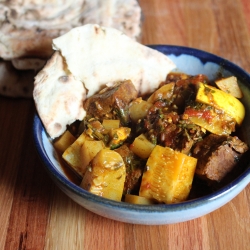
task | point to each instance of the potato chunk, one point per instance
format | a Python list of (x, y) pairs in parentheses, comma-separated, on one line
[(230, 86), (72, 155), (142, 147), (111, 124), (169, 175), (138, 109), (64, 141), (105, 175), (89, 150), (81, 152)]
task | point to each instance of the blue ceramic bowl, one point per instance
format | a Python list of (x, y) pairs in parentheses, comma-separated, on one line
[(190, 61)]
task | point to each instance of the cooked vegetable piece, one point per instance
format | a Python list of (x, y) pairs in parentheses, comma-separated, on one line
[(72, 155), (136, 199), (221, 100), (138, 109), (176, 76), (118, 136), (142, 147), (111, 124), (169, 175), (230, 86), (210, 118), (89, 150), (105, 175), (64, 141), (96, 131), (163, 93), (175, 117)]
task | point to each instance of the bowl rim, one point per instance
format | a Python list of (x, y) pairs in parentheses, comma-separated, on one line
[(38, 129), (203, 56)]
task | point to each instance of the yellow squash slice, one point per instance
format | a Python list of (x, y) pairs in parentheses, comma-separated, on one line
[(136, 199), (118, 136), (211, 119), (105, 175), (169, 176), (221, 100), (163, 93)]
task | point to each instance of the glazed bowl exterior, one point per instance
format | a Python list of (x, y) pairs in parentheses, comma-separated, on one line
[(190, 61)]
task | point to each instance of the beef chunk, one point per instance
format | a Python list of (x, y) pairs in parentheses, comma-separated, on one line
[(185, 88), (111, 102), (169, 129), (134, 169), (217, 156)]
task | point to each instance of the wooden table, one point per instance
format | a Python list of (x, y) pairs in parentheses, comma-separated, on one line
[(35, 214)]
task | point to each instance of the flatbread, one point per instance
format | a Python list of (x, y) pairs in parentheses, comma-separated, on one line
[(91, 57), (16, 43), (27, 28), (28, 63), (58, 96), (56, 15), (98, 55), (29, 33), (119, 14)]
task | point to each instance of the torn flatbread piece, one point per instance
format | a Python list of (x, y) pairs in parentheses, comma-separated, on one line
[(58, 96), (123, 15), (27, 28), (98, 55), (90, 58), (28, 63)]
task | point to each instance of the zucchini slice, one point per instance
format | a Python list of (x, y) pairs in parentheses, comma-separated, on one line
[(221, 100)]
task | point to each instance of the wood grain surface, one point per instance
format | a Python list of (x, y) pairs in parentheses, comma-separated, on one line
[(35, 214)]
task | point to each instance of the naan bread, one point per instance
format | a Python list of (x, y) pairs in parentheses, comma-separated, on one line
[(28, 63), (25, 31), (27, 27), (43, 15), (16, 43), (97, 55), (119, 14), (58, 96), (91, 57)]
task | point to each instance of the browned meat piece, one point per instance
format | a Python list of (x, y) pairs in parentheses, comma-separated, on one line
[(112, 102), (168, 129), (238, 145), (217, 156), (134, 169), (185, 88)]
